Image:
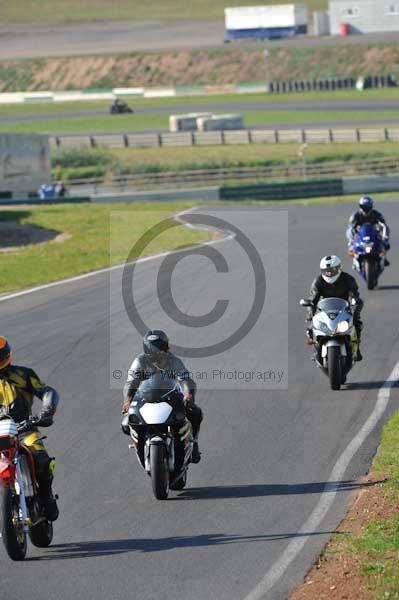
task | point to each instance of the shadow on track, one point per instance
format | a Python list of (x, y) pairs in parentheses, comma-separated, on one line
[(91, 549), (253, 491), (388, 287), (369, 385)]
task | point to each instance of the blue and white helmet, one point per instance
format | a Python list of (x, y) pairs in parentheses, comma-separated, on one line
[(330, 267), (366, 204)]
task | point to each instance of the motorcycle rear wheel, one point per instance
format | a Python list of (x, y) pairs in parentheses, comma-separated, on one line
[(159, 471), (14, 537)]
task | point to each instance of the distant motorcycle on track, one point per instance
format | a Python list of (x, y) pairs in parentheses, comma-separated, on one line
[(368, 252), (120, 108)]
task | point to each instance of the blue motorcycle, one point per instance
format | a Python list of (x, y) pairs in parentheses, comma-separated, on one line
[(368, 251)]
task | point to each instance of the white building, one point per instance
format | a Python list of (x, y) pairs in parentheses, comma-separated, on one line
[(364, 16)]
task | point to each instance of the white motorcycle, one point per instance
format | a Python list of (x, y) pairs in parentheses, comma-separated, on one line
[(161, 433), (334, 338)]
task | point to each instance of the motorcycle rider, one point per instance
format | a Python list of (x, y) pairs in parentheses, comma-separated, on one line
[(18, 387), (368, 214), (335, 283), (157, 358)]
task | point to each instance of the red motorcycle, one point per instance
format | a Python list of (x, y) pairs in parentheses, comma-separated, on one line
[(21, 509)]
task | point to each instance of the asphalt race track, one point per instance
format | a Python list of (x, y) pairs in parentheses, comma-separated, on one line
[(31, 40), (267, 453)]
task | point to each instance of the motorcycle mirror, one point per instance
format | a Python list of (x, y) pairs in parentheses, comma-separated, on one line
[(304, 302)]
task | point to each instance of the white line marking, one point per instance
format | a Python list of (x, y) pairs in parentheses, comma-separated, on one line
[(177, 218), (328, 496)]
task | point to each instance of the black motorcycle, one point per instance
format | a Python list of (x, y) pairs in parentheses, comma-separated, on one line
[(162, 435), (120, 108)]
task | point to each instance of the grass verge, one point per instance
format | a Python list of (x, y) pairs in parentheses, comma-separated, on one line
[(361, 561), (89, 245), (79, 163), (54, 108), (143, 121), (100, 10)]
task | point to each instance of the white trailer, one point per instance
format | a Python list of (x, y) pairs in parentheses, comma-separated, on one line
[(265, 22)]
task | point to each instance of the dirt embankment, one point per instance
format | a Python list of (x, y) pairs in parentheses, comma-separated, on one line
[(201, 67)]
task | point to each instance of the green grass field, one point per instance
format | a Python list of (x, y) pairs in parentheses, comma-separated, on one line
[(84, 163), (54, 108), (142, 122), (78, 10), (89, 245)]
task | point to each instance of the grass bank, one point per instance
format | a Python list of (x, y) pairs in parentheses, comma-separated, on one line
[(88, 248), (84, 163), (214, 67), (142, 121), (100, 10)]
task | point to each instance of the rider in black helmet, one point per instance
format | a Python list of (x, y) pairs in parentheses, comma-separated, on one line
[(158, 358), (368, 214)]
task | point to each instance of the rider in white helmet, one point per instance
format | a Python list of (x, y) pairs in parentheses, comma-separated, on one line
[(335, 283)]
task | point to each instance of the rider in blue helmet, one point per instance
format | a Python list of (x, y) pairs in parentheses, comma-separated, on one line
[(368, 214)]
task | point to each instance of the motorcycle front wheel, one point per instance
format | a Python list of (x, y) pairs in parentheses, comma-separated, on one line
[(14, 537), (370, 274), (159, 471), (334, 367)]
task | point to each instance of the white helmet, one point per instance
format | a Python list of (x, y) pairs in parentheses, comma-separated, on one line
[(330, 267)]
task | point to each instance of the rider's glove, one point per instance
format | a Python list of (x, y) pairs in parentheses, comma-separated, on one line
[(125, 406), (27, 425), (188, 398), (45, 420)]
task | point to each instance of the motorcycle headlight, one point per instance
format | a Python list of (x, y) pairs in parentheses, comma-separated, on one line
[(343, 327), (369, 248)]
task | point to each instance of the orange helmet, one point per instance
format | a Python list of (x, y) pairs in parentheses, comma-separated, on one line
[(5, 353)]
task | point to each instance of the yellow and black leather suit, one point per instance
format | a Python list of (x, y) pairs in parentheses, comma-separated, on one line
[(18, 388)]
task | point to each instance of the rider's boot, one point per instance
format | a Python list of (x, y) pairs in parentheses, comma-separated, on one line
[(47, 497), (196, 455)]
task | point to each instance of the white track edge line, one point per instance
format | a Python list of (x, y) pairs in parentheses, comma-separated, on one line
[(328, 496)]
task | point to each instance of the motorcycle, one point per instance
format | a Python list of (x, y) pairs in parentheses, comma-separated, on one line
[(162, 435), (334, 338), (120, 108), (21, 509), (368, 253)]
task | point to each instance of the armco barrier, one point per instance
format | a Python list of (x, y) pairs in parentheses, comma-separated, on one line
[(283, 191), (219, 137)]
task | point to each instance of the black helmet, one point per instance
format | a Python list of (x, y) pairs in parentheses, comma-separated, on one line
[(366, 204), (155, 341)]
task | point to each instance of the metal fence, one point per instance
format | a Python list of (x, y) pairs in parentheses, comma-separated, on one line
[(220, 176), (241, 136)]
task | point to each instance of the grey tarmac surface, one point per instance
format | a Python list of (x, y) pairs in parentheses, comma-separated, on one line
[(31, 40), (266, 453)]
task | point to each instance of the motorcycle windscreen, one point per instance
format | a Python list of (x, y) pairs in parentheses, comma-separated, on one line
[(155, 413), (332, 304)]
